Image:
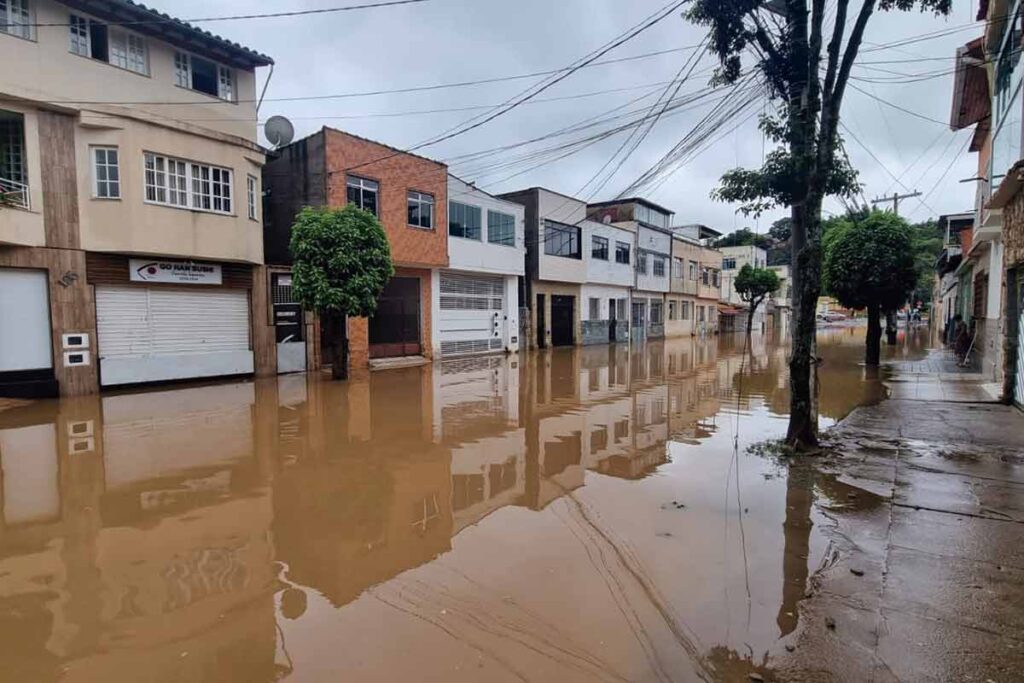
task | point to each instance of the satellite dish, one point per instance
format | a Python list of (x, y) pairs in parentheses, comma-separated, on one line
[(278, 131)]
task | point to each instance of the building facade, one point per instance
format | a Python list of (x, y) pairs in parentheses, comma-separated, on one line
[(650, 223), (407, 193), (734, 309), (476, 299), (555, 265), (606, 293), (694, 289), (130, 238)]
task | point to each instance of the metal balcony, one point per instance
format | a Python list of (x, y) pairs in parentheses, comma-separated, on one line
[(15, 194)]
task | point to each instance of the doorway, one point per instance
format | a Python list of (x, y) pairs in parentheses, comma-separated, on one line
[(611, 320), (395, 327), (563, 316), (541, 322)]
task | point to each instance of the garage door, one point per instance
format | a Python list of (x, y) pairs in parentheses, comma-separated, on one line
[(158, 334), (472, 312), (25, 312)]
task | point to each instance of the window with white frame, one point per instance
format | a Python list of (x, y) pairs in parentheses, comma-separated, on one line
[(729, 263), (464, 221), (167, 182), (251, 194), (202, 75), (658, 266), (117, 47), (641, 262), (595, 309), (106, 173), (362, 192), (421, 209), (15, 19)]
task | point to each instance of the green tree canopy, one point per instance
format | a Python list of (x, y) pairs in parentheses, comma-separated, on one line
[(744, 237), (869, 263), (342, 261), (754, 285)]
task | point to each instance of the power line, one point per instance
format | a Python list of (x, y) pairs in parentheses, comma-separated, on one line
[(372, 93), (896, 106), (235, 17)]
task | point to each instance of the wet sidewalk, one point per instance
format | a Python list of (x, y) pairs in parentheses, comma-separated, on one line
[(938, 377), (924, 580)]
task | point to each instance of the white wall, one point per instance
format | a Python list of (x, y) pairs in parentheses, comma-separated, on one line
[(608, 272), (660, 243), (480, 255), (603, 293), (563, 209)]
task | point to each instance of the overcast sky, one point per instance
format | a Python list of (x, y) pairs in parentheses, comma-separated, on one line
[(445, 41)]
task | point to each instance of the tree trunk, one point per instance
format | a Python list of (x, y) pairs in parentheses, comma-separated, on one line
[(803, 427), (873, 345), (336, 347), (890, 328)]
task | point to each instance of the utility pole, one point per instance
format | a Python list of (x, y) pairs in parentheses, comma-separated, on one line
[(895, 199)]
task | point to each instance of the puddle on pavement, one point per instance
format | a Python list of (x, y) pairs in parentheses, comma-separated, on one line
[(576, 514)]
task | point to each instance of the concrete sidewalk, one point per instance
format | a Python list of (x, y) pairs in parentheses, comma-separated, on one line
[(937, 377), (924, 579)]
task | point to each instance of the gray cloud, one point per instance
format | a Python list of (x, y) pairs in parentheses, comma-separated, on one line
[(455, 40)]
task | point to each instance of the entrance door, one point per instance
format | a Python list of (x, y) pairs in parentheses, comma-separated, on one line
[(25, 314), (611, 320), (288, 327), (395, 327), (541, 322), (563, 310), (639, 326)]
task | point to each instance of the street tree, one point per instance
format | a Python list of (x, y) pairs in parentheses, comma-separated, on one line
[(754, 285), (869, 263), (805, 50), (342, 261)]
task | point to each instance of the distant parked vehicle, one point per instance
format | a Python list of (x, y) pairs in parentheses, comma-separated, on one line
[(831, 317)]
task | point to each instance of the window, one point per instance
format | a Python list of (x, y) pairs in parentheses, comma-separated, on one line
[(622, 253), (421, 209), (362, 193), (705, 276), (684, 313), (656, 312), (595, 309), (599, 248), (700, 314), (561, 240), (659, 266), (671, 309), (464, 221), (96, 40), (716, 278), (106, 173), (729, 264), (251, 194), (15, 19), (196, 73), (677, 268), (693, 270), (645, 214), (641, 262), (167, 182), (501, 228)]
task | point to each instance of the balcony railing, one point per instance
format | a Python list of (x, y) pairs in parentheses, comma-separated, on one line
[(13, 193)]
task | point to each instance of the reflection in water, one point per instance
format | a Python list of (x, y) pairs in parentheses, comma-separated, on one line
[(485, 519)]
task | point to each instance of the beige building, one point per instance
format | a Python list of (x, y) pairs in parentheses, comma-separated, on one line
[(692, 301), (130, 217)]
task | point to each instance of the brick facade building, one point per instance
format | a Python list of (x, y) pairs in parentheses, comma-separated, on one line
[(409, 195)]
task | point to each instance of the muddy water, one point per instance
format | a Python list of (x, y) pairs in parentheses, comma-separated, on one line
[(571, 515)]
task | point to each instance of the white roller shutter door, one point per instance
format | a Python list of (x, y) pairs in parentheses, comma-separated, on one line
[(24, 320), (472, 311), (149, 334)]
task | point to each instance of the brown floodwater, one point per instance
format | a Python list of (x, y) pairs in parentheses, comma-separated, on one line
[(569, 515)]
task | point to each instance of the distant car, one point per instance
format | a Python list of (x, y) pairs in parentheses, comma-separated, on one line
[(831, 317)]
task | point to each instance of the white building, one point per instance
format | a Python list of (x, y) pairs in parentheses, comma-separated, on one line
[(733, 260), (605, 294), (650, 223), (476, 299)]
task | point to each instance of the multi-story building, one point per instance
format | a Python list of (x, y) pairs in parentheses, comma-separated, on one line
[(694, 288), (734, 313), (956, 230), (985, 64), (408, 193), (555, 265), (779, 311), (476, 299), (608, 253), (650, 223), (130, 237)]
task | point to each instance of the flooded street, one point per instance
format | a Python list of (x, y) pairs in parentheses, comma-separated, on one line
[(580, 514)]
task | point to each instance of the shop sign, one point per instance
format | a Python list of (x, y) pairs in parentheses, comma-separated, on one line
[(176, 272)]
